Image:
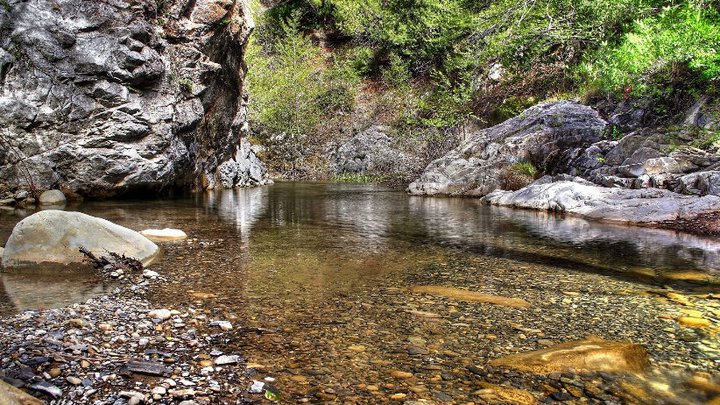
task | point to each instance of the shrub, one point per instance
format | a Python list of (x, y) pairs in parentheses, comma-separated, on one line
[(657, 49)]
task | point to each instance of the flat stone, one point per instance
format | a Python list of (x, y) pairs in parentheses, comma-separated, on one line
[(161, 235), (472, 296), (401, 374), (227, 359), (46, 388), (692, 322), (147, 367), (161, 314), (592, 354)]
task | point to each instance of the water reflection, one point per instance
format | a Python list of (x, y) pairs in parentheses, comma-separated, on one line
[(242, 207), (50, 286)]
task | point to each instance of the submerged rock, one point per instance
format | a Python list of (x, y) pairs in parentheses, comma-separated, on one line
[(541, 136), (465, 295), (592, 354), (56, 236)]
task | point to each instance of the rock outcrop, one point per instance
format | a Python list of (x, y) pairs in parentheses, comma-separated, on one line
[(101, 98), (243, 169), (54, 236), (545, 136), (649, 207), (371, 152)]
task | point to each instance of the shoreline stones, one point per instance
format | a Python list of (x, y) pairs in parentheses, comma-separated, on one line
[(56, 236)]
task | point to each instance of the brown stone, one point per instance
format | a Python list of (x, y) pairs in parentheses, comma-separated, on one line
[(472, 296), (497, 393), (10, 395), (592, 354)]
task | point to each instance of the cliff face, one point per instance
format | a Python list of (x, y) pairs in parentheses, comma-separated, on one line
[(107, 97)]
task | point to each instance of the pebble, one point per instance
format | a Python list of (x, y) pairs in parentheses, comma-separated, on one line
[(401, 374), (74, 380), (161, 314), (224, 325), (227, 359)]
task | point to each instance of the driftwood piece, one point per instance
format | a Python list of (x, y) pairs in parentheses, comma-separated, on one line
[(112, 261)]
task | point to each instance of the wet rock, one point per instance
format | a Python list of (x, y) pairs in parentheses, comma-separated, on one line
[(465, 295), (56, 236), (161, 235), (592, 354), (693, 322)]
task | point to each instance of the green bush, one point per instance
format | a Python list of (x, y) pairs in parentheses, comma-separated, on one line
[(295, 89), (681, 37)]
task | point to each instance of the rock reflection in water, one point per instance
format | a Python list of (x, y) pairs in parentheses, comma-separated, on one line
[(505, 232), (241, 207), (51, 286)]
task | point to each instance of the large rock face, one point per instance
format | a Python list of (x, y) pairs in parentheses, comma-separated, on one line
[(545, 136), (54, 236), (107, 97)]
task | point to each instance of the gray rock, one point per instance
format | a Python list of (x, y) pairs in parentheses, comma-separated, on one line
[(52, 197), (105, 98), (243, 169), (616, 205), (371, 152), (147, 367), (700, 183), (541, 135), (227, 359), (46, 388), (55, 236)]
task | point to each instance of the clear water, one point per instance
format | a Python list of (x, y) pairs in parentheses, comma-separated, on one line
[(316, 276)]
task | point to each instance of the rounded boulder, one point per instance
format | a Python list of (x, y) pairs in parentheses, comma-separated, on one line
[(55, 236)]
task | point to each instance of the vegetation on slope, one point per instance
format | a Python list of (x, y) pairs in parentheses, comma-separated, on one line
[(428, 67)]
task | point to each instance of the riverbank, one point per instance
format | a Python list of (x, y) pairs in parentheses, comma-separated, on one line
[(121, 348)]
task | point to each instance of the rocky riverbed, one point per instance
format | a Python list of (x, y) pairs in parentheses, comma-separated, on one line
[(257, 311)]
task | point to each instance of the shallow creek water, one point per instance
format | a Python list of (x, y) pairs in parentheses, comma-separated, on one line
[(317, 280)]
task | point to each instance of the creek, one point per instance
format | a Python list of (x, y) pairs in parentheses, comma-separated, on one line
[(322, 282)]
